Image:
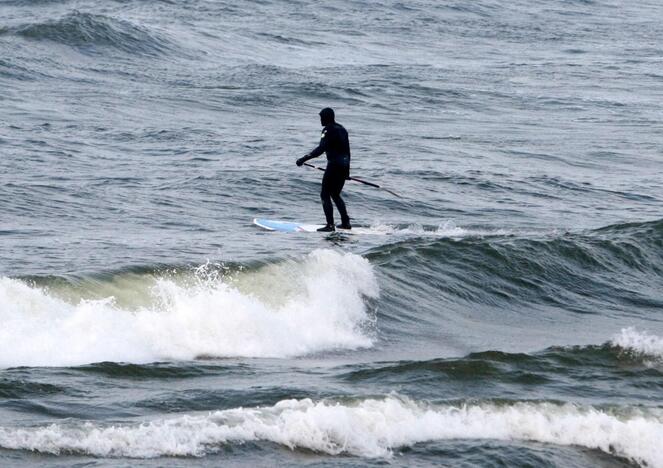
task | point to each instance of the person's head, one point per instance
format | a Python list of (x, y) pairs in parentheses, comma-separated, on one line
[(326, 116)]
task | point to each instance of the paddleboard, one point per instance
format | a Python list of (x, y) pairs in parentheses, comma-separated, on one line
[(287, 226)]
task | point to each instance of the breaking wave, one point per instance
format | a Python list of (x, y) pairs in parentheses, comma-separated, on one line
[(368, 428), (292, 308)]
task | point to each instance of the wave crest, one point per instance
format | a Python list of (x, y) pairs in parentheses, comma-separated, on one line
[(85, 30)]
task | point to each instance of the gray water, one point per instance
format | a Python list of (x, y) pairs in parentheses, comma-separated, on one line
[(507, 310)]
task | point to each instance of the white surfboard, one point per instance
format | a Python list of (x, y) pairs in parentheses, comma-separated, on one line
[(288, 226)]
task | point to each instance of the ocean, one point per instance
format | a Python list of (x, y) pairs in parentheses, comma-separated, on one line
[(507, 310)]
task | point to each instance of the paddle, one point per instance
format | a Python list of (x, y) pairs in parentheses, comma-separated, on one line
[(359, 180)]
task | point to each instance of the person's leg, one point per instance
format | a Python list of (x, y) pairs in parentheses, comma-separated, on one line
[(325, 196), (339, 182), (340, 205)]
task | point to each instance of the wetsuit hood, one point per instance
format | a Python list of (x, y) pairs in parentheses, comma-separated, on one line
[(327, 116)]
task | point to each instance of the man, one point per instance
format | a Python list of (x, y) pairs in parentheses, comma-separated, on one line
[(333, 141)]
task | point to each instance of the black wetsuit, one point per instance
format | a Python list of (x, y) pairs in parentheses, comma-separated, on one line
[(335, 143)]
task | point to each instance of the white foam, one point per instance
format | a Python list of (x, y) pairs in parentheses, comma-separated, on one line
[(639, 342), (310, 305), (368, 428), (444, 229)]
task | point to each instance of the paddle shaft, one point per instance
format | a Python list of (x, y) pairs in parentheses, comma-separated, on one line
[(365, 182)]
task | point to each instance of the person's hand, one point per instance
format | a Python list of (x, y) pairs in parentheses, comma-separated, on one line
[(300, 161)]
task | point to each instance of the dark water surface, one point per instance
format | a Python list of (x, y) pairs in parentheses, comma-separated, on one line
[(507, 311)]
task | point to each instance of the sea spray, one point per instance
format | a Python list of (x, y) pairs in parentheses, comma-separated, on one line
[(639, 342)]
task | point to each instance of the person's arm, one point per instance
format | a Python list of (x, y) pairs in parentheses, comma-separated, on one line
[(321, 148)]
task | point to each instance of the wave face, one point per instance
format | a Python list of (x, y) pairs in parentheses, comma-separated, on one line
[(612, 268), (279, 311), (367, 428), (86, 31)]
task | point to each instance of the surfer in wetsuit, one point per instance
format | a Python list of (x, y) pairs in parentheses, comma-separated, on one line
[(333, 141)]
